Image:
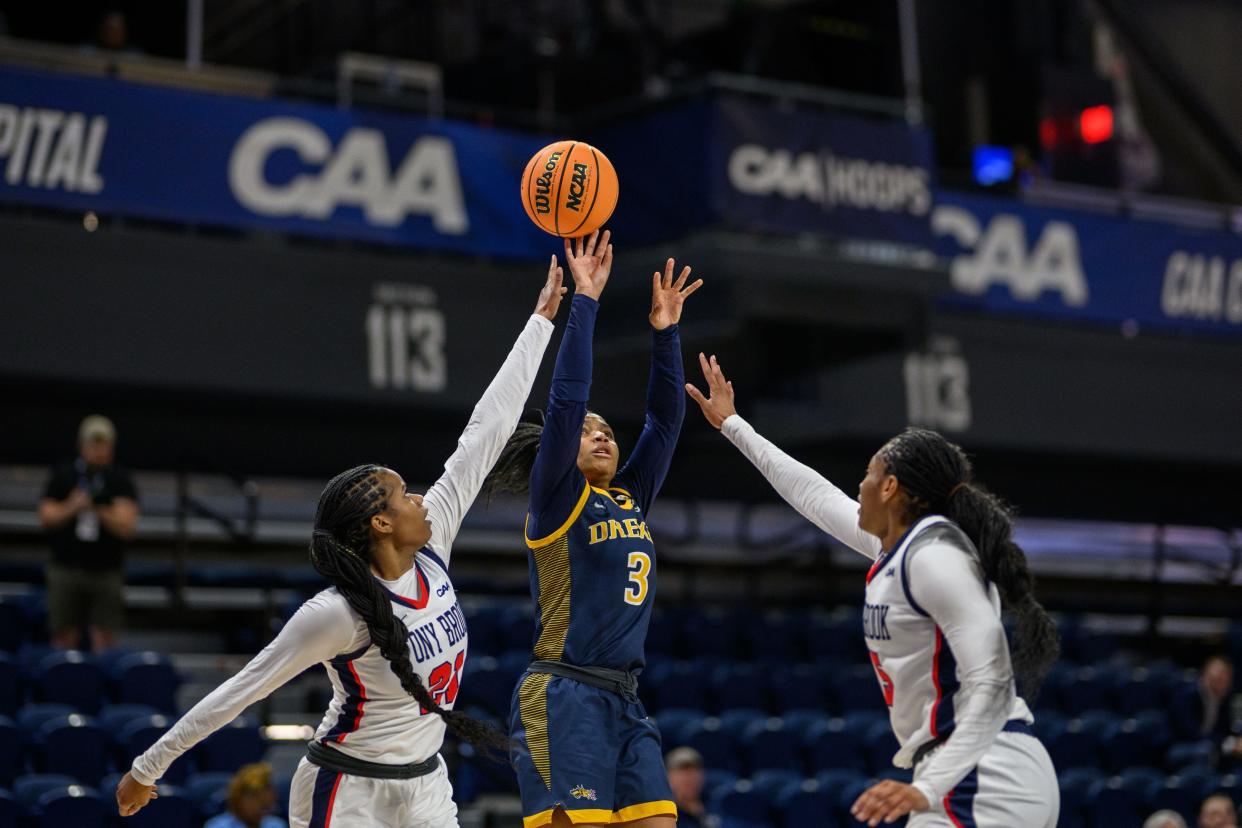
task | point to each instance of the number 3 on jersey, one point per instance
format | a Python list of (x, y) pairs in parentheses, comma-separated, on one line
[(886, 683), (640, 568)]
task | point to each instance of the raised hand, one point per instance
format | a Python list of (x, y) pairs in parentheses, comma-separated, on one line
[(718, 405), (131, 796), (667, 296), (590, 263), (550, 297)]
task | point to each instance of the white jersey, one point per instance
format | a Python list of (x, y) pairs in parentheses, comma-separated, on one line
[(371, 717), (932, 624)]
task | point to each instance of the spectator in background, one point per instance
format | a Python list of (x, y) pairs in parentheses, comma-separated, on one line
[(89, 510), (1218, 811), (112, 36), (251, 800), (1200, 710), (1165, 819), (685, 777)]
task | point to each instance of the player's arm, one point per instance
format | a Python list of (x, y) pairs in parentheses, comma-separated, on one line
[(666, 405), (946, 584), (321, 629), (492, 421), (809, 492), (556, 484)]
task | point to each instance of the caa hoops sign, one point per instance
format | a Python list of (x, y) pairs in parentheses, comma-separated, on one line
[(819, 172)]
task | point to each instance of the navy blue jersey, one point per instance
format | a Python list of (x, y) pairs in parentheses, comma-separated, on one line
[(592, 560)]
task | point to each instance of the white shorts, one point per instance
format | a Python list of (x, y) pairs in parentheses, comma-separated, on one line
[(1013, 786), (320, 798)]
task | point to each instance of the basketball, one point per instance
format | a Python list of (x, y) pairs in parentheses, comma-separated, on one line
[(569, 189)]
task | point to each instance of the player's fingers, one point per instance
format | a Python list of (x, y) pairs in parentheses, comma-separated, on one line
[(668, 273), (696, 395), (591, 247), (569, 251), (681, 279), (608, 256), (707, 370), (601, 246), (695, 285)]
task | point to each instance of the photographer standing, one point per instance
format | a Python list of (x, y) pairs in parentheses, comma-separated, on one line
[(90, 510)]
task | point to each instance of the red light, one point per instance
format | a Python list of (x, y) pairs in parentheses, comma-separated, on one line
[(1048, 133), (1096, 124)]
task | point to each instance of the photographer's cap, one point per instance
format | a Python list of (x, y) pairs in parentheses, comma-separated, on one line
[(97, 429)]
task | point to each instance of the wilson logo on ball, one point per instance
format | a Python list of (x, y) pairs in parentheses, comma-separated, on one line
[(569, 189)]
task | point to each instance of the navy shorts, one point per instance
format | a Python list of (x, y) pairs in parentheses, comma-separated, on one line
[(589, 751)]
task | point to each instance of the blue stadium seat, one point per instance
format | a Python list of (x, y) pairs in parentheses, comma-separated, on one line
[(1185, 755), (802, 719), (10, 812), (486, 685), (833, 744), (847, 793), (771, 783), (676, 684), (771, 745), (1076, 785), (673, 723), (27, 789), (518, 627), (858, 689), (74, 745), (805, 805), (138, 735), (1138, 690), (477, 777), (1114, 802), (1082, 691), (836, 638), (739, 806), (11, 690), (1048, 724), (487, 635), (738, 685), (146, 678), (663, 635), (713, 633), (715, 777), (12, 624), (1073, 747), (74, 806), (717, 745), (204, 790), (237, 743), (69, 677), (879, 747), (1130, 743), (776, 638), (113, 717), (799, 687), (12, 759), (737, 719)]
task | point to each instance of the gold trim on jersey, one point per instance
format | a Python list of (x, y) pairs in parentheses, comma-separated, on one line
[(660, 807), (600, 816), (533, 704), (552, 569), (569, 521)]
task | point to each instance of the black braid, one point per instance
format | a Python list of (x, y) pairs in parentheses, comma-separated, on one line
[(512, 470), (338, 551), (936, 477)]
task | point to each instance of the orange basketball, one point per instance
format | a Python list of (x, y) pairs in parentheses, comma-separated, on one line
[(569, 189)]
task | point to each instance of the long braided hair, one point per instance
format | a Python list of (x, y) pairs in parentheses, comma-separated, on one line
[(339, 551), (937, 478), (511, 474)]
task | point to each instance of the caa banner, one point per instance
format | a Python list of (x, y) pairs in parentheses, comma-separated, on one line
[(1009, 257), (819, 172), (109, 146)]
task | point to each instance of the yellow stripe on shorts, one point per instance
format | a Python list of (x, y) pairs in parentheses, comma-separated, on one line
[(533, 704)]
